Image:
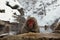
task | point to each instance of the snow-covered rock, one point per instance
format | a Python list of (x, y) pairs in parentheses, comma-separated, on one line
[(8, 13), (51, 17)]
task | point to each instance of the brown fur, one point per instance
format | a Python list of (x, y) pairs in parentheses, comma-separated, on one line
[(57, 26), (25, 28)]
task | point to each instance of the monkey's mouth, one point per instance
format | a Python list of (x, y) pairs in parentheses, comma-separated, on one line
[(30, 23), (30, 26)]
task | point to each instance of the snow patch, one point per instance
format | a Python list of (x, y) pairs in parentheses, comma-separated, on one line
[(9, 12)]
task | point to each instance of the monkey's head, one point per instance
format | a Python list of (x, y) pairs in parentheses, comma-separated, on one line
[(31, 23)]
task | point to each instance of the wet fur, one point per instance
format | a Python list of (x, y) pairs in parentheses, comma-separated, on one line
[(25, 28)]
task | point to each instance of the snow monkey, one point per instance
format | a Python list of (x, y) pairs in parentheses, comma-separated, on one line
[(57, 28), (30, 26)]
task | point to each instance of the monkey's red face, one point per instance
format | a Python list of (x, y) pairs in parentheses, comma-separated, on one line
[(30, 23)]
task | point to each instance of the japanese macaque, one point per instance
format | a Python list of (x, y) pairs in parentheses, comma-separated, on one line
[(30, 26), (57, 28)]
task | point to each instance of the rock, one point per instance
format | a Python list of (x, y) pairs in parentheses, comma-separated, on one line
[(33, 36)]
